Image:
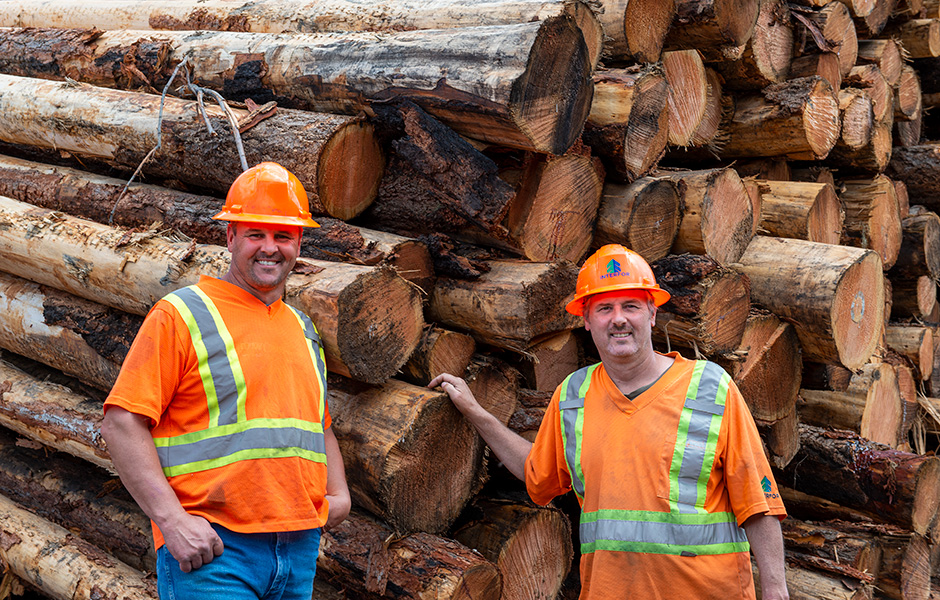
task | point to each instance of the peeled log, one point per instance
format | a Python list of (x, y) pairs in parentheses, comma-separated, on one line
[(63, 565), (901, 488), (709, 304), (378, 312), (511, 305), (915, 343), (712, 23), (802, 210), (798, 119), (337, 158), (833, 295), (643, 216), (856, 110), (871, 406), (536, 99), (373, 561), (717, 215), (872, 217), (629, 121), (688, 94), (517, 537), (769, 374)]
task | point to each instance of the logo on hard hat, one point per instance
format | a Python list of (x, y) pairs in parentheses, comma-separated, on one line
[(613, 270)]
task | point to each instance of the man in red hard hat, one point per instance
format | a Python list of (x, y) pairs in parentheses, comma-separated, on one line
[(218, 423), (661, 452)]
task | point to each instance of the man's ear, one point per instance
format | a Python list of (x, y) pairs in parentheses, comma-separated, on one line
[(230, 231)]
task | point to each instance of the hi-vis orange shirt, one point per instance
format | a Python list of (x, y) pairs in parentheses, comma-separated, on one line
[(238, 417), (660, 519)]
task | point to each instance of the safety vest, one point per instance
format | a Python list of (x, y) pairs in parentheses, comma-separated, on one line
[(230, 436), (687, 529)]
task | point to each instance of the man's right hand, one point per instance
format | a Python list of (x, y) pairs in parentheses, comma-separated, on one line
[(192, 541)]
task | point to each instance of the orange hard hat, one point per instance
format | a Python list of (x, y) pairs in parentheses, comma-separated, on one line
[(267, 193), (612, 268)]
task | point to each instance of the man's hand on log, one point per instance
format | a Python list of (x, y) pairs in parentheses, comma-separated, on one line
[(192, 541), (458, 391)]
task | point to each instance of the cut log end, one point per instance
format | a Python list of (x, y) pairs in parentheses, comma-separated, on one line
[(821, 119), (649, 226), (645, 25), (688, 94), (825, 217), (721, 243), (351, 167), (926, 496), (724, 312), (858, 311)]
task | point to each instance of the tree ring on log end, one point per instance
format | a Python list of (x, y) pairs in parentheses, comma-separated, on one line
[(724, 312), (728, 191), (350, 169), (821, 119), (644, 27), (825, 220), (857, 310), (926, 495)]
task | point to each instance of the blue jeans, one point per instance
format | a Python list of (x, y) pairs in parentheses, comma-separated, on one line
[(255, 566)]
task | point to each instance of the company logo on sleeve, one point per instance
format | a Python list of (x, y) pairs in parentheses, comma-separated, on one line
[(768, 488)]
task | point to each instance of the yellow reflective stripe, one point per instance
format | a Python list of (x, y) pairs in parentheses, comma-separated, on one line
[(202, 356)]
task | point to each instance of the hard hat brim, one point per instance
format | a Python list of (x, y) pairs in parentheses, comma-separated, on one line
[(225, 215), (660, 296)]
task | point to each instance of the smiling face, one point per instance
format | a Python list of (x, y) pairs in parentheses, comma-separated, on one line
[(621, 323), (262, 257)]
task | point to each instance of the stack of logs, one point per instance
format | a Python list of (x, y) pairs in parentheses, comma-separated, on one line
[(462, 158)]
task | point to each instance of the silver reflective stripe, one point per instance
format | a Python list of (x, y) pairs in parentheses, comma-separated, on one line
[(219, 363), (316, 353), (571, 407), (258, 438), (696, 459), (665, 533)]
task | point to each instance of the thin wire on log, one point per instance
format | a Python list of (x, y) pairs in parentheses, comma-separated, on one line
[(198, 91), (155, 148)]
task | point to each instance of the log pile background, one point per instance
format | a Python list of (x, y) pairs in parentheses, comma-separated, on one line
[(773, 161)]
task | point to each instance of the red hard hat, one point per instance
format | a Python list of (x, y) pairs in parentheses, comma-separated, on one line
[(614, 267), (267, 193)]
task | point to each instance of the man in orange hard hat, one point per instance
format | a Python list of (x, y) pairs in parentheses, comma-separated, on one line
[(661, 452), (218, 423)]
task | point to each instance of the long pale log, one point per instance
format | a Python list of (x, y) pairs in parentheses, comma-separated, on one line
[(915, 343), (378, 313), (711, 23), (537, 98), (635, 30), (515, 537), (920, 248), (120, 127), (913, 297), (767, 54), (511, 305), (766, 366), (901, 488), (871, 406), (886, 54), (709, 304), (920, 37), (629, 121), (688, 94), (803, 210), (643, 216), (872, 217), (75, 495), (908, 96), (797, 119), (717, 215), (63, 565), (439, 351), (834, 23), (833, 295), (369, 560)]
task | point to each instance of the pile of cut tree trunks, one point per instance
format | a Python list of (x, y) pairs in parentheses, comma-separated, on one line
[(771, 159)]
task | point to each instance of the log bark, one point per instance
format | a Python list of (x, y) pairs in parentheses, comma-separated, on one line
[(63, 565), (908, 98), (688, 94), (711, 23), (920, 248), (767, 54), (337, 158), (629, 121), (369, 560), (899, 487), (804, 583), (825, 376), (515, 537), (439, 351), (886, 55), (833, 295), (643, 216), (538, 98), (913, 297), (917, 167), (765, 168), (766, 366), (906, 567), (836, 541), (798, 119), (709, 304), (915, 343), (717, 214), (378, 312), (510, 306), (920, 37), (529, 412), (802, 210), (824, 64), (833, 21), (871, 406), (904, 200), (872, 217), (910, 402), (547, 362)]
